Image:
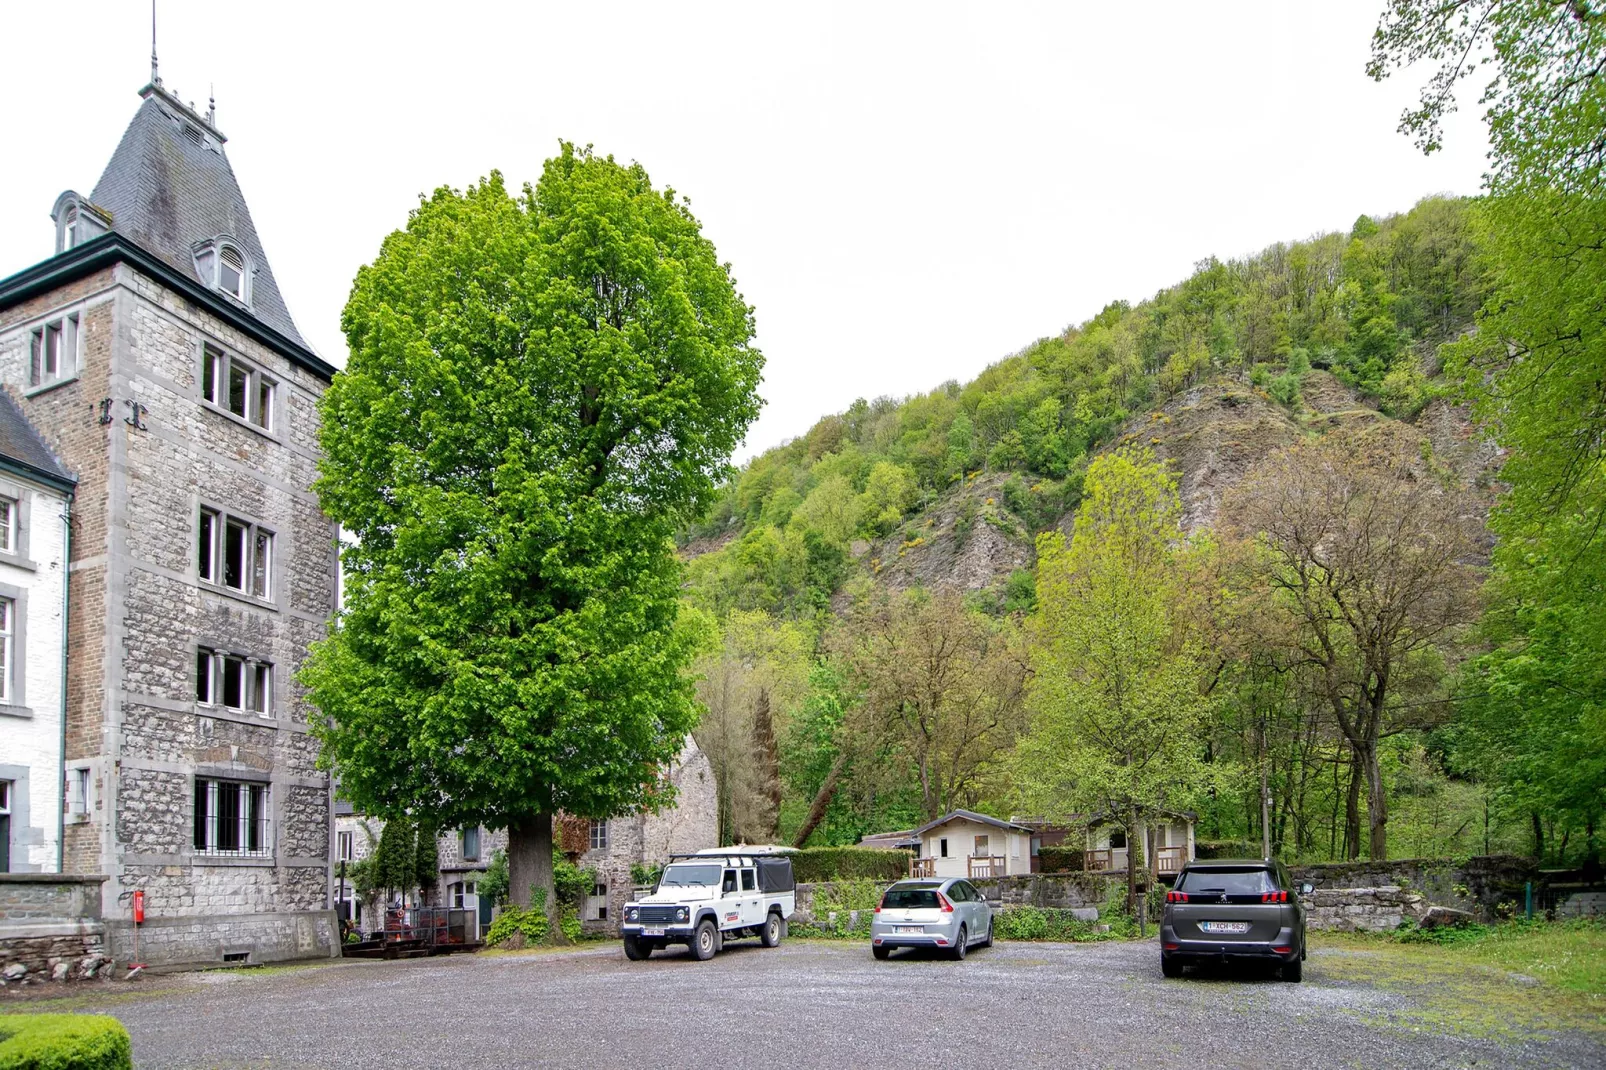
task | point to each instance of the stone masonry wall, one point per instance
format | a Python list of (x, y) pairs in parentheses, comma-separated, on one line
[(188, 456), (277, 936), (51, 928), (65, 416), (139, 609)]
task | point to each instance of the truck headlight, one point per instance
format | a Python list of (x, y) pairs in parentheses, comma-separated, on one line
[(683, 914), (632, 914)]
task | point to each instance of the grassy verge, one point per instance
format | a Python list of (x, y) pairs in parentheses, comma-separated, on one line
[(1514, 980)]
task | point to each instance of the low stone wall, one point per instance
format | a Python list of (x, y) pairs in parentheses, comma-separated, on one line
[(1062, 891), (1481, 886), (1052, 890), (221, 938), (1347, 896), (1377, 909), (1582, 905), (51, 928)]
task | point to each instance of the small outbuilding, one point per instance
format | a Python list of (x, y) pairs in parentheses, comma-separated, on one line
[(963, 843)]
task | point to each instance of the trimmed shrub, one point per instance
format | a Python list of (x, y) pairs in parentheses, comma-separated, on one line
[(1226, 849), (64, 1042), (813, 865), (1060, 859)]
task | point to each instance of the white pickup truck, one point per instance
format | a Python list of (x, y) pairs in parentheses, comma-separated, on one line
[(704, 899)]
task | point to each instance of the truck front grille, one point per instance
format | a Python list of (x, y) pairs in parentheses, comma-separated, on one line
[(658, 915)]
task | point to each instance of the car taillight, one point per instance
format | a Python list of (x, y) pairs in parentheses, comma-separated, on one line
[(1176, 897), (1274, 897), (878, 908), (947, 907)]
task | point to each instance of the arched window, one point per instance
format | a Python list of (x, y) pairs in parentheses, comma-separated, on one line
[(231, 272), (221, 265)]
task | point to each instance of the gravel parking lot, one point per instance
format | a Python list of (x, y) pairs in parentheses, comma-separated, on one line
[(810, 1004)]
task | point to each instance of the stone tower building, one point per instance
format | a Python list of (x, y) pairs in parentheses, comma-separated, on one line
[(154, 354)]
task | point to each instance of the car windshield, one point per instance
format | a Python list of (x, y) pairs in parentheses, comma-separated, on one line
[(913, 898), (1227, 881), (680, 876)]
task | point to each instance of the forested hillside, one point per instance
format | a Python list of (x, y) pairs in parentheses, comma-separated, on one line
[(1369, 307), (868, 594)]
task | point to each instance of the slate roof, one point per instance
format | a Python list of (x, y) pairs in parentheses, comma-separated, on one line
[(21, 445), (969, 815), (168, 192)]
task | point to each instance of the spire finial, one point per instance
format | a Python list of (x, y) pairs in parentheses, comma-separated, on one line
[(156, 79), (211, 104)]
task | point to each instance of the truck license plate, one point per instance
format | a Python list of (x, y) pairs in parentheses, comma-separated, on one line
[(1224, 926), (652, 932), (908, 929)]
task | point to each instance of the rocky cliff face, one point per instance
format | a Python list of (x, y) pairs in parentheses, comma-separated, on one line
[(1215, 433)]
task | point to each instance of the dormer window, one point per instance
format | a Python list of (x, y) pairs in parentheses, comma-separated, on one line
[(77, 221), (221, 265), (231, 272)]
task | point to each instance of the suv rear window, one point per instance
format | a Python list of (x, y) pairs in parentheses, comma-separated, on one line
[(910, 899), (1227, 881)]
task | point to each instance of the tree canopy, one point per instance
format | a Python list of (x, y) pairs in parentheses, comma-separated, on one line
[(540, 389)]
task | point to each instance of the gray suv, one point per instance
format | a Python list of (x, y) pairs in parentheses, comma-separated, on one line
[(1234, 910), (950, 915)]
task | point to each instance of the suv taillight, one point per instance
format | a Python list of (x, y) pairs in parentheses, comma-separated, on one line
[(947, 907), (1274, 897), (1176, 897)]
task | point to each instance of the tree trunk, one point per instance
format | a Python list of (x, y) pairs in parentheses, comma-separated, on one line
[(1377, 804), (822, 800), (1136, 859), (768, 756), (1352, 807), (1539, 836), (529, 864)]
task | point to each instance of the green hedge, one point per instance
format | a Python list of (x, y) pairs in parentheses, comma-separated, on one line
[(1226, 849), (1059, 859), (815, 864), (64, 1042)]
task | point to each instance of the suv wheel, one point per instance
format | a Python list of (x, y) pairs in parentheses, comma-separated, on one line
[(636, 949), (1294, 971), (705, 941), (1170, 966), (960, 946), (880, 952), (770, 934)]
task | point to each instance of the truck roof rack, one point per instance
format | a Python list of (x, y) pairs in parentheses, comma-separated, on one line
[(746, 850)]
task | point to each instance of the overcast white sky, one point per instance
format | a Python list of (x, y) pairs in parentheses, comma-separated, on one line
[(906, 192)]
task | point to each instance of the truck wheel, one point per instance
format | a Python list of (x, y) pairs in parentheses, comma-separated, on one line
[(636, 950), (769, 934), (705, 941)]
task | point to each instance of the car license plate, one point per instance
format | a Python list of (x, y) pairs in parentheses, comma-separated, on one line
[(652, 932), (908, 928), (1224, 926)]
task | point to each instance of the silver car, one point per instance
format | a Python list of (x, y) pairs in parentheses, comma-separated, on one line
[(950, 915)]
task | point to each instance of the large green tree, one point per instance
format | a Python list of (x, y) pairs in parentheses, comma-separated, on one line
[(540, 388), (1118, 693), (1535, 369)]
